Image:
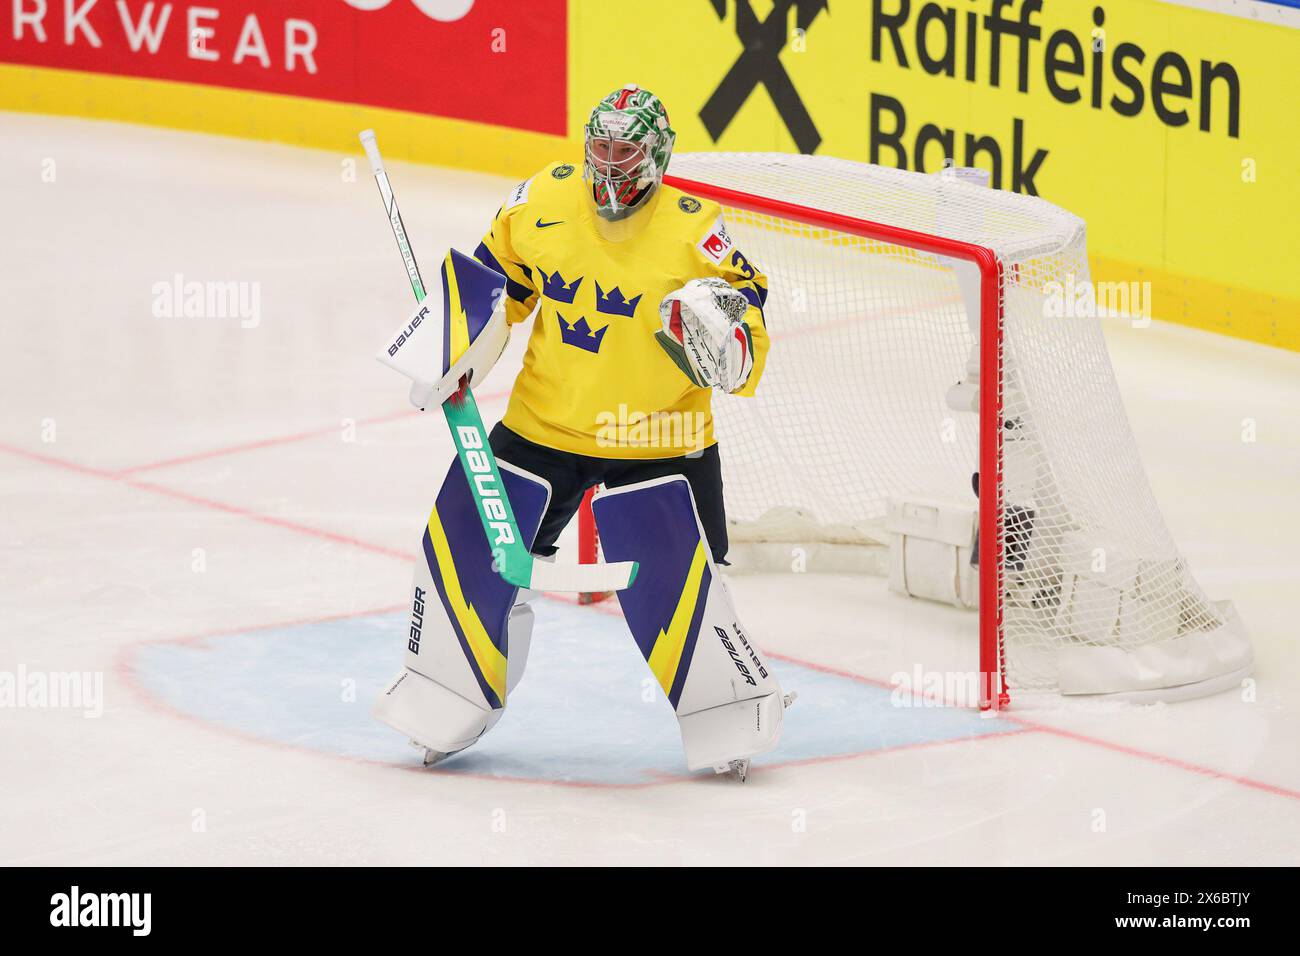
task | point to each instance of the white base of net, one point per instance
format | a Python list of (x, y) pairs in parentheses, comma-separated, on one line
[(1181, 667)]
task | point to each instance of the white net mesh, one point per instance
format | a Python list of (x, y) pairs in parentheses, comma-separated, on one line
[(857, 404)]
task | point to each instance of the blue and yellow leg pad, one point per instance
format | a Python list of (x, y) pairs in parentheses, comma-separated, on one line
[(728, 703), (655, 523), (476, 599)]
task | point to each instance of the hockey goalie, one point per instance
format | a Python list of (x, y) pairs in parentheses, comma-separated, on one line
[(641, 306)]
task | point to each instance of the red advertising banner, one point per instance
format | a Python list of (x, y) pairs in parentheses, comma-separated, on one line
[(492, 61)]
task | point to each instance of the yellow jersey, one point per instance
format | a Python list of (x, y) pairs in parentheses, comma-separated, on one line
[(594, 380)]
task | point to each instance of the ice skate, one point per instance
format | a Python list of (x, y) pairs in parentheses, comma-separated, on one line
[(432, 756)]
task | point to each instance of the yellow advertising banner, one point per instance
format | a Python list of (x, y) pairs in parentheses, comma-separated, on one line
[(1170, 129)]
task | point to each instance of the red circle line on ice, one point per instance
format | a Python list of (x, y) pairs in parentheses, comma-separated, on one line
[(122, 666)]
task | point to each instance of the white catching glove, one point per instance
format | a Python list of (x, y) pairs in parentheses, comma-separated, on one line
[(705, 333)]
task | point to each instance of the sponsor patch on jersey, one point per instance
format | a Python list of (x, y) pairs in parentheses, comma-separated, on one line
[(519, 195), (562, 172), (689, 204), (716, 243)]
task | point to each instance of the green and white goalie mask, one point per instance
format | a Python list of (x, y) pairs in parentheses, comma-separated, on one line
[(627, 142)]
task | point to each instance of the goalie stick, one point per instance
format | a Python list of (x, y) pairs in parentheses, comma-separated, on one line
[(511, 559)]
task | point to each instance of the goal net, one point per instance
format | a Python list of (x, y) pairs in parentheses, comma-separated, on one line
[(939, 395)]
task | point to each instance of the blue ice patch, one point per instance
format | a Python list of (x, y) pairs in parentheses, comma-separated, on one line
[(587, 710)]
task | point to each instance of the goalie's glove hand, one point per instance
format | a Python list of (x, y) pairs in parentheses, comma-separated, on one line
[(706, 334)]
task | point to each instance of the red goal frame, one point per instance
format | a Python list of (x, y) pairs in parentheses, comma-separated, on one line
[(993, 685)]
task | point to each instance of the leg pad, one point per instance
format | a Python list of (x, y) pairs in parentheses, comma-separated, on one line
[(431, 715), (744, 728), (679, 610)]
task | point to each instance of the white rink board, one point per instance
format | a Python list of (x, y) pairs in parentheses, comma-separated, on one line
[(221, 521)]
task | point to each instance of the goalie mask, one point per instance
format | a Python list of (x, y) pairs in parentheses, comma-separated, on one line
[(627, 143)]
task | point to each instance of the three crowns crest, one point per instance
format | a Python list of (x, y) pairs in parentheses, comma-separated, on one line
[(613, 302), (579, 334), (554, 288)]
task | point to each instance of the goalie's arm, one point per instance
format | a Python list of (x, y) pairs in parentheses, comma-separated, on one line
[(497, 252)]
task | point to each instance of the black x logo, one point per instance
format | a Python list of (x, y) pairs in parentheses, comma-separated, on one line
[(759, 63)]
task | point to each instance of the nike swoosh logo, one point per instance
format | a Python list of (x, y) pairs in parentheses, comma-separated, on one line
[(543, 225)]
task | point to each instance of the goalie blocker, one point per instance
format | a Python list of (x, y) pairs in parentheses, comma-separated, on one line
[(728, 703)]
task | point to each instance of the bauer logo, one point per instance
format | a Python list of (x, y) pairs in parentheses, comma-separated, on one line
[(749, 649), (407, 332), (417, 621), (480, 463), (77, 909), (735, 657)]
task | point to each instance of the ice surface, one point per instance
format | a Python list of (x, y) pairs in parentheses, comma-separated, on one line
[(220, 520)]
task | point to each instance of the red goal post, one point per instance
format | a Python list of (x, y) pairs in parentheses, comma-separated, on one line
[(994, 691)]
